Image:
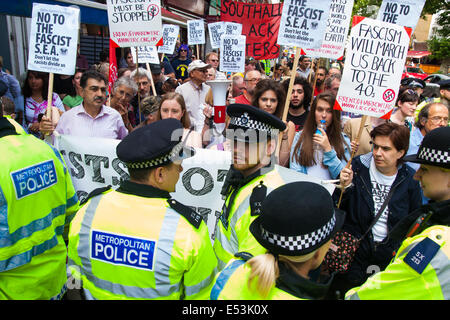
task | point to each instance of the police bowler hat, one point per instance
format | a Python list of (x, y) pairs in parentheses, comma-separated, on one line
[(434, 149), (296, 219)]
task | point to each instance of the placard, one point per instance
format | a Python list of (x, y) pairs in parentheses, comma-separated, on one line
[(216, 30), (374, 62), (148, 54), (303, 23), (336, 33), (232, 28), (170, 36), (232, 53), (196, 32), (53, 39), (260, 24), (135, 23), (402, 12)]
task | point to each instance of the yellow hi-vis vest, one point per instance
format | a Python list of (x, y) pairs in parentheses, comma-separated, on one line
[(37, 200), (124, 246), (420, 271), (232, 234), (232, 284)]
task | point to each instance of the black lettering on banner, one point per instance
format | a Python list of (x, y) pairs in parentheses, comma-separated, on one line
[(96, 161), (208, 181), (73, 157), (221, 174), (123, 174)]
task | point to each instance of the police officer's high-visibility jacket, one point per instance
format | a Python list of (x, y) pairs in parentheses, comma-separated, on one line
[(37, 199), (137, 243), (241, 207), (419, 271), (232, 284)]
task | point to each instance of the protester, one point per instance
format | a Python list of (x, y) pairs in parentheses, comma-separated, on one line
[(320, 80), (212, 58), (238, 86), (334, 71), (251, 78), (194, 93), (124, 89), (304, 66), (35, 92), (444, 90), (300, 100), (73, 98), (127, 60), (420, 269), (210, 73), (178, 262), (169, 85), (296, 239), (332, 83), (143, 79), (157, 72), (277, 72), (250, 64), (82, 62), (172, 105), (181, 62), (381, 181), (38, 201), (406, 105), (333, 147), (150, 108), (254, 134), (431, 116), (13, 91), (92, 118), (270, 96)]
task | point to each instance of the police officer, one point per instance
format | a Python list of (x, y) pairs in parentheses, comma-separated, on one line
[(137, 242), (37, 200), (253, 133), (296, 238), (421, 267)]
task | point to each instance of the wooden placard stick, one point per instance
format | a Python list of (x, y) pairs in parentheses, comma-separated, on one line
[(361, 127), (162, 57), (151, 79), (137, 75), (288, 95), (48, 111)]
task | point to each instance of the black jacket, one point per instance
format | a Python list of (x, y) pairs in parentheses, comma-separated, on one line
[(358, 203)]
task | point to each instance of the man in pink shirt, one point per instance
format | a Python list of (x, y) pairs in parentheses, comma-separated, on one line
[(91, 118)]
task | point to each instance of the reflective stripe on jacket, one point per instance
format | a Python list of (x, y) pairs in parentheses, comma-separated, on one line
[(125, 246)]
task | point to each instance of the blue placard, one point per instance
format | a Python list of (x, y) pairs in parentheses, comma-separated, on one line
[(123, 250), (421, 255), (33, 179)]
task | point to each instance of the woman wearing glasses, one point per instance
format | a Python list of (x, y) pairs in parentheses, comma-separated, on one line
[(181, 62)]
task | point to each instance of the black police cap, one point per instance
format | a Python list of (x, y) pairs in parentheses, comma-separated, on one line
[(247, 117), (154, 145), (444, 84)]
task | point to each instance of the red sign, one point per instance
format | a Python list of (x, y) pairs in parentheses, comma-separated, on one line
[(260, 24)]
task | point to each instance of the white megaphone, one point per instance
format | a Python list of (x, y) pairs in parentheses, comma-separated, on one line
[(219, 90)]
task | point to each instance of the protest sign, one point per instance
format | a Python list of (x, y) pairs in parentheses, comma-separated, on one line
[(260, 24), (233, 28), (374, 62), (136, 23), (196, 32), (303, 23), (232, 53), (53, 39), (170, 36), (93, 163), (336, 32), (147, 54), (402, 12), (216, 30)]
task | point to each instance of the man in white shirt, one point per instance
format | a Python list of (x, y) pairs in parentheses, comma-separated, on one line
[(194, 93)]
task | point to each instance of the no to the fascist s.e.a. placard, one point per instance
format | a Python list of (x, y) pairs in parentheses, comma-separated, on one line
[(374, 61), (232, 53), (196, 32), (401, 12), (216, 30), (53, 39), (303, 23), (135, 23), (170, 36)]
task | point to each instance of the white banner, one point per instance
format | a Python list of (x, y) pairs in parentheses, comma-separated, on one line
[(148, 54), (196, 32), (216, 30), (170, 36), (303, 23), (374, 62), (135, 23), (53, 39), (336, 33), (93, 163), (232, 53), (402, 12)]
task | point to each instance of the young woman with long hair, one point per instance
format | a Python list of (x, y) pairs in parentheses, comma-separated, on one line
[(270, 96), (406, 106), (334, 144)]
